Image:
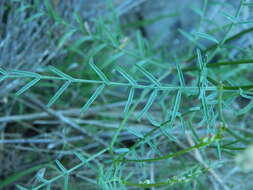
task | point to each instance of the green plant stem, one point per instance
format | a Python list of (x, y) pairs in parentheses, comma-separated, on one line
[(218, 64), (172, 155), (232, 38)]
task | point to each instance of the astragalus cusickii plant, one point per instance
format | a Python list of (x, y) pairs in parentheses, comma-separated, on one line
[(116, 110)]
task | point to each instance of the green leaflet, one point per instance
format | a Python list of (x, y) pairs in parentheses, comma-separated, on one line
[(19, 175), (149, 103), (206, 36), (176, 106), (66, 37), (51, 12), (80, 22), (130, 79), (60, 73), (27, 86), (80, 157), (113, 58), (111, 37), (80, 41), (190, 37), (25, 73), (135, 132), (34, 17), (92, 98), (147, 74), (23, 8), (141, 44), (96, 50), (229, 17), (129, 100), (58, 93), (200, 61), (62, 168), (246, 109), (121, 150), (180, 74), (198, 11), (65, 173), (98, 71), (202, 84)]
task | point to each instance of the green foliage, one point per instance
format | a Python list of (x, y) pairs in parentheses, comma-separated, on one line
[(184, 104)]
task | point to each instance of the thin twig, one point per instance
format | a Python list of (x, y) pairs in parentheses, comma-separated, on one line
[(69, 112), (40, 141), (66, 120)]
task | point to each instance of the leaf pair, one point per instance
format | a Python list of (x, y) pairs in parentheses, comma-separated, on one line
[(99, 90)]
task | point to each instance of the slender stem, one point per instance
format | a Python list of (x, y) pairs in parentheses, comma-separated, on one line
[(232, 38), (218, 64)]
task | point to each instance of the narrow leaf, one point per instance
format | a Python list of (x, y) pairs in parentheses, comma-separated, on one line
[(60, 73), (65, 37), (198, 11), (121, 150), (41, 174), (204, 105), (110, 36), (34, 16), (80, 22), (229, 17), (176, 106), (191, 38), (59, 164), (80, 157), (59, 93), (129, 100), (180, 74), (141, 45), (92, 98), (80, 41), (206, 36), (245, 95), (149, 103), (27, 86), (152, 120), (130, 79), (25, 73), (135, 132), (187, 36), (246, 109), (52, 12), (148, 75), (98, 71), (22, 8), (13, 178), (200, 60), (96, 50), (113, 58)]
